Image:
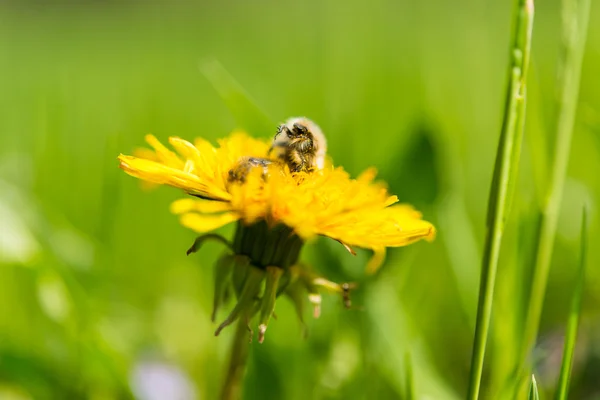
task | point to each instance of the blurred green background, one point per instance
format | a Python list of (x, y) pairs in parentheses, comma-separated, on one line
[(97, 297)]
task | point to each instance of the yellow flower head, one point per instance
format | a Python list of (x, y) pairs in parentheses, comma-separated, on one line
[(356, 212)]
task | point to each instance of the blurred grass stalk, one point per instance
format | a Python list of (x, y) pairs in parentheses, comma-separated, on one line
[(575, 16), (571, 336), (409, 388), (505, 171), (248, 115)]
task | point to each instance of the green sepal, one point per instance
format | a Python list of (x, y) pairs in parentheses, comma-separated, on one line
[(223, 272), (268, 300), (296, 291), (240, 271), (209, 236), (247, 298)]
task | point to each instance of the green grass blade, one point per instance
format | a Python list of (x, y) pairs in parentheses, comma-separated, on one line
[(533, 390), (504, 171), (244, 109), (571, 336), (575, 21)]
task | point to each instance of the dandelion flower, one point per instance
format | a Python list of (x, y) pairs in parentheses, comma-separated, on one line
[(276, 211)]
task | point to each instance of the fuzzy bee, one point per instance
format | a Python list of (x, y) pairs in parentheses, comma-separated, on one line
[(244, 165), (300, 144)]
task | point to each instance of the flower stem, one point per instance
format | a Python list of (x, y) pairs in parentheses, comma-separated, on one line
[(232, 386), (575, 21), (504, 176)]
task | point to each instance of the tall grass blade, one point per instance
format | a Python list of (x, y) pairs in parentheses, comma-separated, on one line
[(504, 172), (533, 390), (575, 21), (244, 109), (571, 336)]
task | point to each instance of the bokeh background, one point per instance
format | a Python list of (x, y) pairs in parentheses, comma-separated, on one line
[(97, 297)]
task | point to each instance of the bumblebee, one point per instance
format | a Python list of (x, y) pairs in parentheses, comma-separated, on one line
[(300, 144), (244, 165)]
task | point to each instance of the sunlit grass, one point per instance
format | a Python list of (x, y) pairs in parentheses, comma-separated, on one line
[(505, 172)]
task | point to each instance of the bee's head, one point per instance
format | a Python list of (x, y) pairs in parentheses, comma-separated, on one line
[(301, 130), (298, 130)]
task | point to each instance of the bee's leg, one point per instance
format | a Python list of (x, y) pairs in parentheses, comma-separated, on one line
[(280, 129), (296, 161), (305, 166), (259, 162)]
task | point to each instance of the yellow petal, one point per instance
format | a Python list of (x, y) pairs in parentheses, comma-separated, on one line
[(367, 175), (376, 260), (143, 152), (391, 200), (187, 150), (182, 206), (206, 223), (163, 154), (162, 174)]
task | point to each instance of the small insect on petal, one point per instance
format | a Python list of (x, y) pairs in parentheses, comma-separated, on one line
[(239, 172)]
